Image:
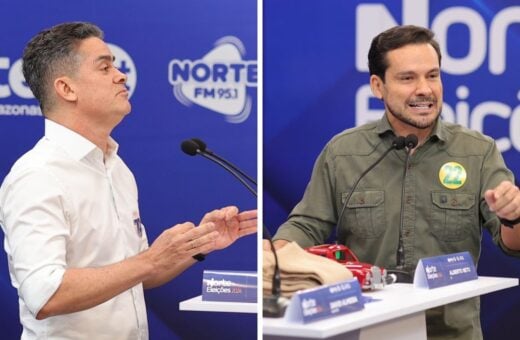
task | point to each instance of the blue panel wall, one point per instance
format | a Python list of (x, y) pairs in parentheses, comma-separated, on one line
[(173, 187), (315, 85)]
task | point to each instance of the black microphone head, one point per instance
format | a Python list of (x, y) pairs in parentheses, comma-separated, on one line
[(190, 147), (200, 143), (411, 141), (399, 143)]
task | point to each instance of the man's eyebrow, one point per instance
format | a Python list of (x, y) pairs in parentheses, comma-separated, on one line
[(408, 72), (405, 73), (106, 57)]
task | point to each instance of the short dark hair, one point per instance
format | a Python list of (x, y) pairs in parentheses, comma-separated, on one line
[(394, 38), (52, 53)]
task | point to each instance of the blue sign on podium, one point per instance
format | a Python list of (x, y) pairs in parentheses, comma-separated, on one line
[(444, 270), (325, 301)]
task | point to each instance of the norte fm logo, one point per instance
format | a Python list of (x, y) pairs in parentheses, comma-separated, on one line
[(218, 81)]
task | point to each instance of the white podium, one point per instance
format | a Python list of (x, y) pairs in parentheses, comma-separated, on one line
[(196, 304), (398, 313)]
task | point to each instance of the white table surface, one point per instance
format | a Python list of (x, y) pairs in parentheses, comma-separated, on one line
[(196, 304), (397, 300)]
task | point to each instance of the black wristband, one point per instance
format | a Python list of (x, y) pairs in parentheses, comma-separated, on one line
[(509, 223), (199, 257)]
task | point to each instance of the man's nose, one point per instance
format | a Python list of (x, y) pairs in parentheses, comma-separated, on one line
[(120, 77), (423, 87)]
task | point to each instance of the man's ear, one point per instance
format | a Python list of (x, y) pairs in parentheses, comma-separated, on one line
[(64, 89), (376, 85)]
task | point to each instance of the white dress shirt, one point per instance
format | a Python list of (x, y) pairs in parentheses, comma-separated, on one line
[(65, 205)]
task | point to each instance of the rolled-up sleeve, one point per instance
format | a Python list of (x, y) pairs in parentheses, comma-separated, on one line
[(34, 219)]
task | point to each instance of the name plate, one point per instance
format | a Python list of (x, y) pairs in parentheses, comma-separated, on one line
[(229, 286), (325, 301), (444, 270)]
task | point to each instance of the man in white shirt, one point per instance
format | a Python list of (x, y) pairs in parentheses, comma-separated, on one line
[(77, 250)]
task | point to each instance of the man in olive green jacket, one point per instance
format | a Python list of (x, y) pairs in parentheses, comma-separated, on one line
[(455, 182)]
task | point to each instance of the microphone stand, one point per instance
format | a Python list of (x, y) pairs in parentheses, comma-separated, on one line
[(403, 276), (203, 149), (274, 305), (212, 158)]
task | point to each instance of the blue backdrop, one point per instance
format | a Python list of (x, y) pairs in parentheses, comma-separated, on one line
[(316, 85), (168, 48)]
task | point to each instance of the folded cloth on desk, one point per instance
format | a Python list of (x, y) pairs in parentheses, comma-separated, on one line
[(300, 270)]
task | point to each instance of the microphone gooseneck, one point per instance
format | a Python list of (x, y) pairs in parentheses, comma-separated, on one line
[(276, 277), (191, 148), (411, 142), (397, 144), (203, 148), (274, 305)]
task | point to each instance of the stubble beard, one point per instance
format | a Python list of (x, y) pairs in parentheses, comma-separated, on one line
[(416, 123)]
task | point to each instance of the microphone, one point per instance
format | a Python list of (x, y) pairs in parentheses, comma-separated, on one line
[(397, 144), (274, 305), (410, 142), (190, 147), (203, 148)]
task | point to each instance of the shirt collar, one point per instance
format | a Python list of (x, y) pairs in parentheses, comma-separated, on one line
[(439, 130), (383, 126), (77, 146)]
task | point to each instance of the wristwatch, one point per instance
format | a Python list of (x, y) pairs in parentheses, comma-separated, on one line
[(199, 257), (509, 223)]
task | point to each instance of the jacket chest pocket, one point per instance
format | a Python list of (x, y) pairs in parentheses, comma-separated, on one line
[(365, 213), (453, 215)]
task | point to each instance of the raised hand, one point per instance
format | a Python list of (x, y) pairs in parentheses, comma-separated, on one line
[(180, 242), (504, 200), (231, 225)]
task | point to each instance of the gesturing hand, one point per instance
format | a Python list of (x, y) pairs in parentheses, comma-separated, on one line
[(180, 242), (504, 200), (231, 225)]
